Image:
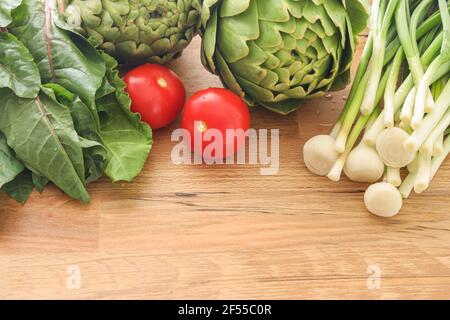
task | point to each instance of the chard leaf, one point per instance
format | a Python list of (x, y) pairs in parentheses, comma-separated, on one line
[(94, 153), (20, 188), (6, 6), (10, 167), (63, 56), (18, 71), (95, 158), (39, 182), (41, 133), (127, 139), (105, 89)]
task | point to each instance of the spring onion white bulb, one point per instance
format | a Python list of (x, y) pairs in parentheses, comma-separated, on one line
[(390, 147), (364, 165), (383, 200), (319, 154)]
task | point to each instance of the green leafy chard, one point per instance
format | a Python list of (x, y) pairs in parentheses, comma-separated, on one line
[(10, 167), (63, 56), (127, 139), (18, 71), (20, 188), (39, 182), (6, 6), (94, 152), (42, 134), (55, 87)]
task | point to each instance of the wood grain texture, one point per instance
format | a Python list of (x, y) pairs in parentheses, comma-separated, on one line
[(226, 232)]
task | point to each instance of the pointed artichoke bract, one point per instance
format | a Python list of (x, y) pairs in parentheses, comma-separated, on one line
[(276, 53), (137, 31)]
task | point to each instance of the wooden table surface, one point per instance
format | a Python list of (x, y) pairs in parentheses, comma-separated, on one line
[(180, 232)]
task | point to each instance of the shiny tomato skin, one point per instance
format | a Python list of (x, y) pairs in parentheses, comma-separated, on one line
[(157, 93), (216, 108)]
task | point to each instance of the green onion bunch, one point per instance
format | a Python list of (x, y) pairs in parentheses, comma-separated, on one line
[(397, 116)]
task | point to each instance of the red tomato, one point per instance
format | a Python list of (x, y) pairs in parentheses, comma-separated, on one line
[(157, 93), (219, 109)]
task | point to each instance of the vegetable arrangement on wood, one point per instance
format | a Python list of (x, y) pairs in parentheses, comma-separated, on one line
[(398, 106), (64, 115)]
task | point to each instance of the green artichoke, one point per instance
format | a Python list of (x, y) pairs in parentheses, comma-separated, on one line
[(276, 53), (137, 31)]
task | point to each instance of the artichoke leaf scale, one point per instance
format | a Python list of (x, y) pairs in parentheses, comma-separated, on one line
[(252, 67), (318, 16), (232, 8), (229, 80), (295, 67), (357, 15), (253, 90), (270, 80), (298, 78), (284, 78), (311, 36), (236, 31), (289, 42), (209, 40), (273, 10), (320, 49), (322, 66), (319, 31), (311, 53), (301, 27), (335, 10), (272, 62), (312, 86), (295, 93), (285, 57), (348, 54), (272, 33)]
